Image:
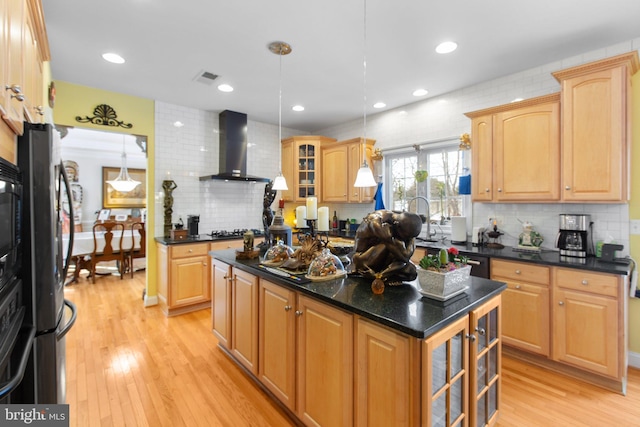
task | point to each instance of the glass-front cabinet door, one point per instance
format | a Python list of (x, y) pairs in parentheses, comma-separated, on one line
[(306, 171), (485, 364), (445, 394)]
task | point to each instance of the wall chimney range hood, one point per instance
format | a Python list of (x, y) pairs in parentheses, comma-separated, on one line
[(233, 149)]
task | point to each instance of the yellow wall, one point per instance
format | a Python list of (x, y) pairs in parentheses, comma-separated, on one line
[(634, 211), (74, 100)]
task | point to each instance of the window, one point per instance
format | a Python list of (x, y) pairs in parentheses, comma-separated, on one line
[(432, 173)]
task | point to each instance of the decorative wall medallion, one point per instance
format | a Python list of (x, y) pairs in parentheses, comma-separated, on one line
[(104, 115)]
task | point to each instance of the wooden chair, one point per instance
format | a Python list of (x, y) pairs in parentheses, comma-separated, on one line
[(141, 251), (103, 249)]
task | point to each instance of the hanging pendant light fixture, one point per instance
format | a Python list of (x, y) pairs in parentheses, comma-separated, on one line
[(280, 49), (123, 182), (365, 175)]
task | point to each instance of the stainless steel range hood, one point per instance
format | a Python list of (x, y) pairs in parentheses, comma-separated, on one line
[(233, 149)]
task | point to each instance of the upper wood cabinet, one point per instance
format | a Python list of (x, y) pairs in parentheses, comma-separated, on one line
[(12, 61), (596, 113), (301, 166), (340, 163), (516, 153)]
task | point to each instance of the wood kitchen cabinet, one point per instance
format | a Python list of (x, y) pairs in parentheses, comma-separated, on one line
[(525, 305), (324, 364), (221, 301), (588, 321), (244, 319), (183, 277), (385, 400), (277, 341), (340, 163), (596, 111), (301, 165), (517, 151), (462, 370)]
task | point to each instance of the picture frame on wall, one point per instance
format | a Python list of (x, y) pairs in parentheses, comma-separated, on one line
[(136, 198)]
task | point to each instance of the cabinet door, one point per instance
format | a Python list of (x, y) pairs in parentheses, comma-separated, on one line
[(14, 34), (485, 364), (33, 74), (482, 158), (325, 364), (244, 319), (221, 302), (276, 355), (364, 194), (445, 367), (586, 330), (288, 161), (384, 400), (594, 109), (525, 311), (334, 173), (527, 153), (189, 281)]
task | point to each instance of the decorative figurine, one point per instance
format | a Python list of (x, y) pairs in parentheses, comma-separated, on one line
[(529, 239), (168, 186)]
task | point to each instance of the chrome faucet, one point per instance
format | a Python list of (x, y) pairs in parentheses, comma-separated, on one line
[(428, 213)]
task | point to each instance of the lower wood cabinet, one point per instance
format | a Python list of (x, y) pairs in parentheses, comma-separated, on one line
[(329, 367), (183, 277)]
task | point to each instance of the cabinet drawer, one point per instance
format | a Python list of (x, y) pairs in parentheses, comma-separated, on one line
[(597, 283), (520, 271), (196, 249)]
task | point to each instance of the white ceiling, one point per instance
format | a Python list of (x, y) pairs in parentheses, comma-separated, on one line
[(167, 44)]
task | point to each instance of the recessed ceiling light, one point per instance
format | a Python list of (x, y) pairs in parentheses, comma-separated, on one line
[(517, 100), (379, 105), (446, 47), (420, 92), (297, 108), (225, 88), (178, 124), (113, 58)]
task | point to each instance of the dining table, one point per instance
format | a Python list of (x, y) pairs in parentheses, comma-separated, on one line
[(83, 247)]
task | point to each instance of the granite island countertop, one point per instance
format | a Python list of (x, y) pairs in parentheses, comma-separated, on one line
[(401, 307)]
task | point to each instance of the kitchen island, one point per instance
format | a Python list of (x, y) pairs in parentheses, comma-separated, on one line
[(334, 353)]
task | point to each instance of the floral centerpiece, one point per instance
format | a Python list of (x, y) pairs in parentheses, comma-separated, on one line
[(444, 275)]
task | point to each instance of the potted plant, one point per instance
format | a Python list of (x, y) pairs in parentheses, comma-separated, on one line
[(443, 276)]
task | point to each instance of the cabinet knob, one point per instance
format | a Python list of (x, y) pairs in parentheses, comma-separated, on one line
[(585, 282), (14, 88), (190, 250), (518, 272), (486, 190), (298, 313), (567, 188), (204, 263), (18, 97), (287, 308), (499, 190), (471, 337), (481, 331), (560, 302), (517, 286), (226, 277)]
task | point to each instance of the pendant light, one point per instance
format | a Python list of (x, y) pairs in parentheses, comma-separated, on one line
[(280, 49), (365, 175), (123, 183)]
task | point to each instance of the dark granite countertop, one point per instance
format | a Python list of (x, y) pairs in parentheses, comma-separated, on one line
[(401, 307), (545, 257), (198, 239)]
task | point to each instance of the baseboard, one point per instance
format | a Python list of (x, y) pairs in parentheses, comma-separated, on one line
[(150, 301), (634, 360)]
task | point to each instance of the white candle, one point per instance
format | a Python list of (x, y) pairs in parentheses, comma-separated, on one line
[(323, 218), (301, 214), (312, 208)]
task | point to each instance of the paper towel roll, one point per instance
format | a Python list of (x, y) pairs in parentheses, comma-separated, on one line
[(458, 229)]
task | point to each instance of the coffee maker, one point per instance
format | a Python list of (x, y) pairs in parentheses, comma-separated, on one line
[(192, 225), (573, 236)]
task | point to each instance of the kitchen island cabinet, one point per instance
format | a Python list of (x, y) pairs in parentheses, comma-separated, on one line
[(336, 334), (183, 277)]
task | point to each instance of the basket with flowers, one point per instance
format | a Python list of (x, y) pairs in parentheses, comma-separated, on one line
[(444, 275)]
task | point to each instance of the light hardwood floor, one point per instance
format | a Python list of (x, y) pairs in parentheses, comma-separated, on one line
[(130, 365)]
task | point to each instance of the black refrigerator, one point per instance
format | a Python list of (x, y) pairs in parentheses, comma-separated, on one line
[(43, 269)]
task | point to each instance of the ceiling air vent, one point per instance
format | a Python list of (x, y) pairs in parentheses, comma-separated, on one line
[(205, 77)]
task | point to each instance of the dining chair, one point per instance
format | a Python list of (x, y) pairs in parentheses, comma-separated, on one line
[(103, 250), (137, 252)]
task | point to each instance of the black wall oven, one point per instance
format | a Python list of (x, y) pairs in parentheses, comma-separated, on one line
[(10, 214)]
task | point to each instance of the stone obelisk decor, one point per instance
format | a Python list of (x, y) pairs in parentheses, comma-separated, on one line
[(168, 186)]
